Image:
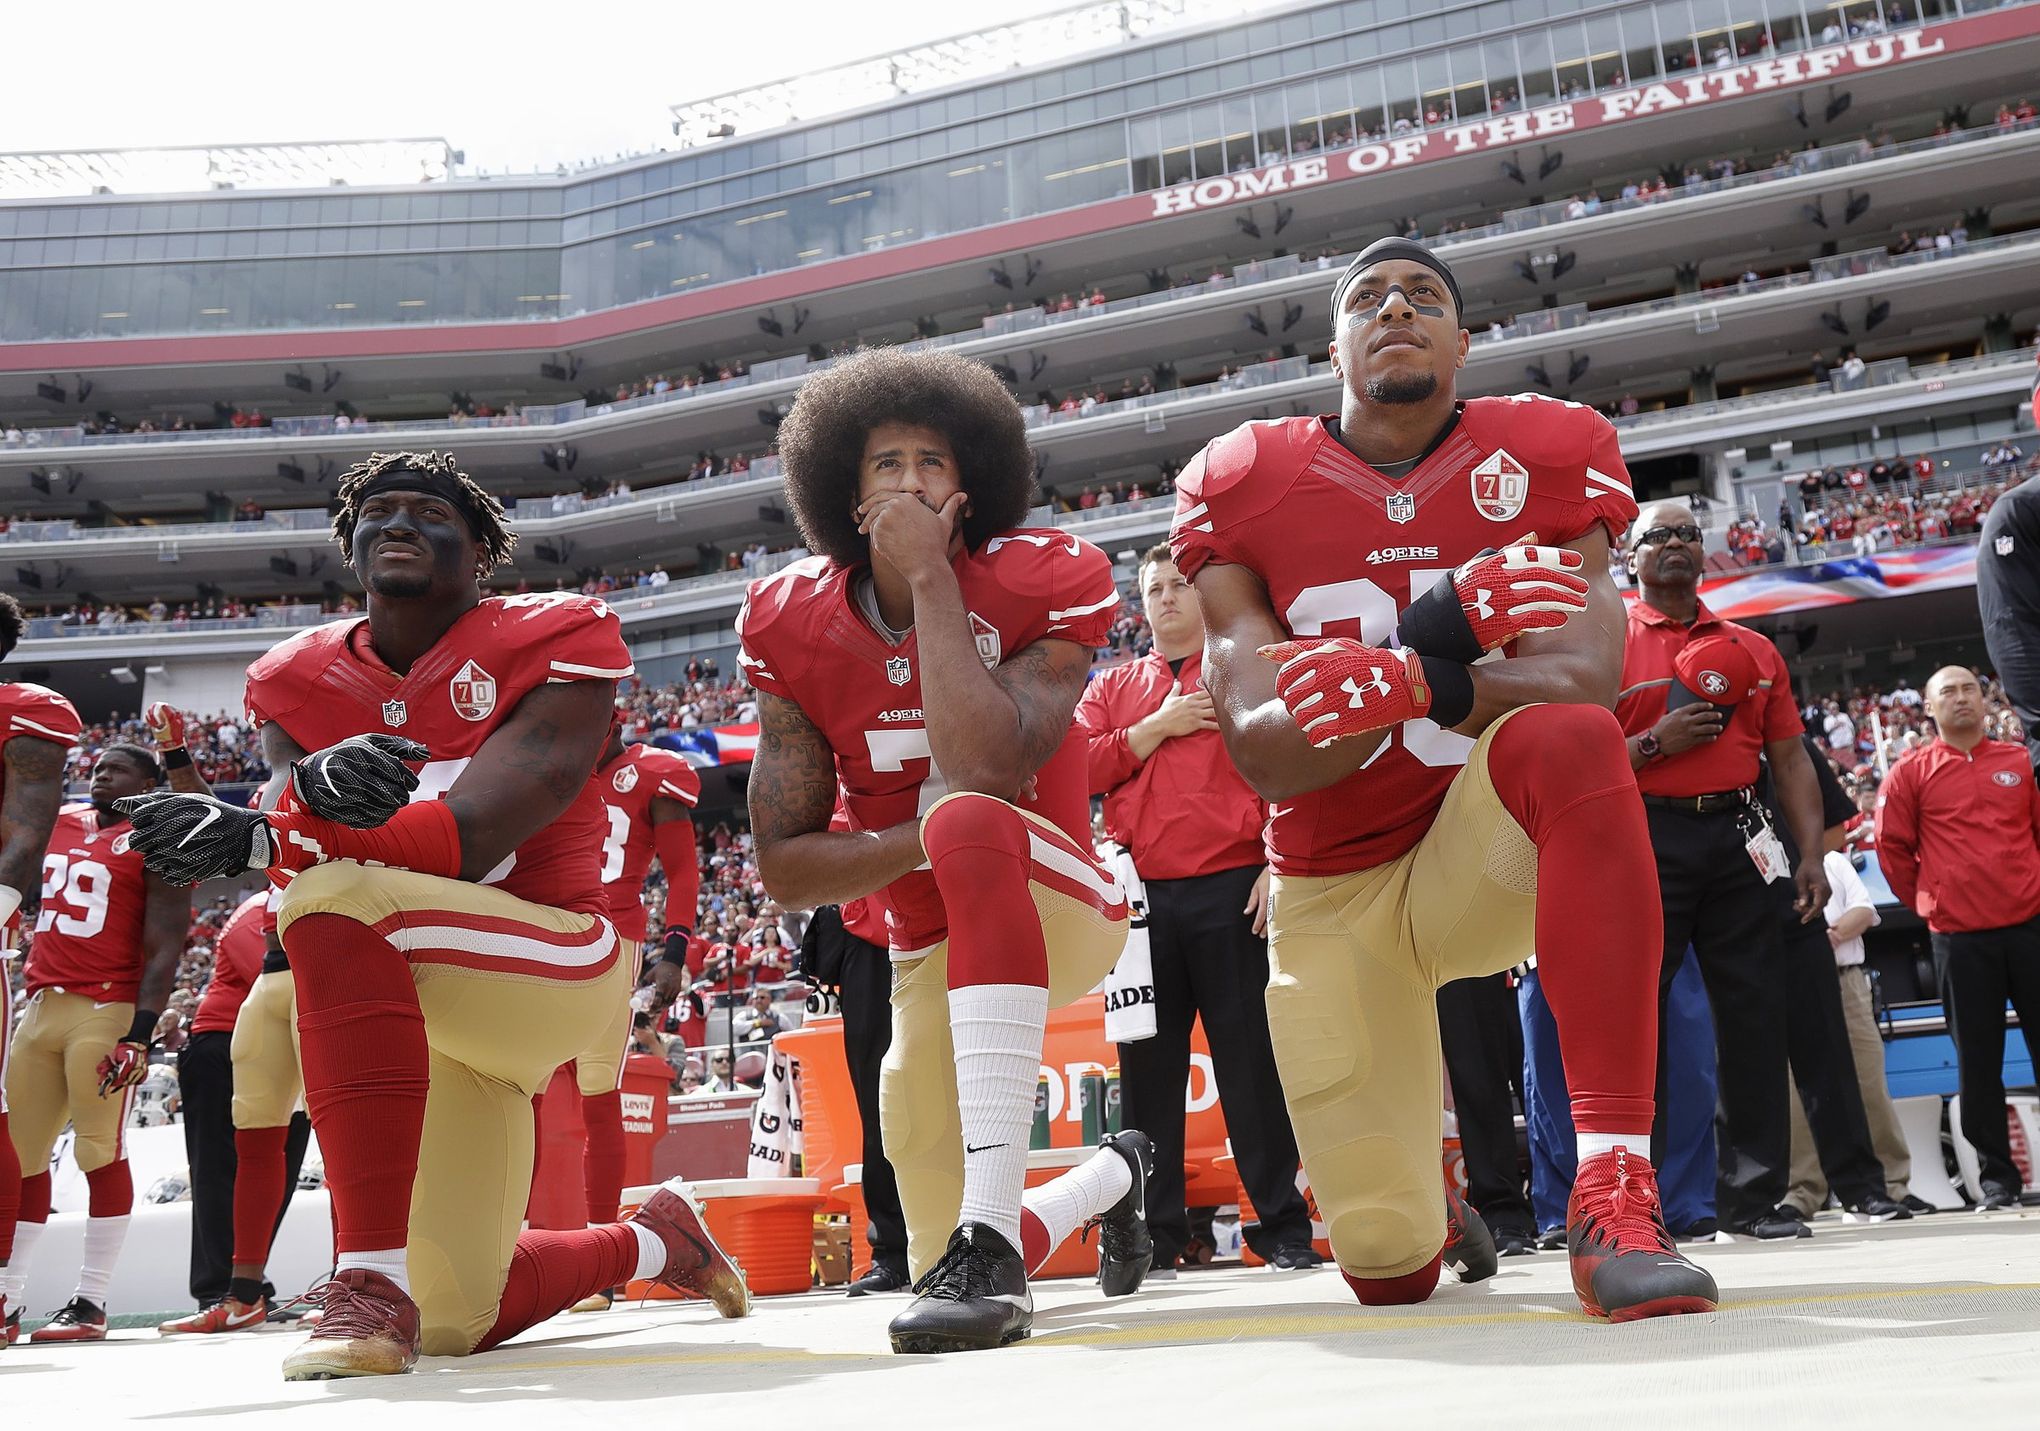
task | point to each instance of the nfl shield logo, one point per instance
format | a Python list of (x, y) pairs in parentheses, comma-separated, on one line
[(897, 671), (473, 692), (393, 713), (2003, 545), (1402, 507)]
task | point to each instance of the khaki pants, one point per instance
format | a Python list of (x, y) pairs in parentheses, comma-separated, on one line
[(1809, 1190), (918, 1112), (599, 1067), (510, 990), (267, 1078), (53, 1079), (1356, 963)]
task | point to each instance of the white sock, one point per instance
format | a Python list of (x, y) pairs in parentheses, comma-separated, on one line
[(14, 1276), (997, 1030), (103, 1239), (651, 1253), (393, 1262), (1592, 1145), (1068, 1202)]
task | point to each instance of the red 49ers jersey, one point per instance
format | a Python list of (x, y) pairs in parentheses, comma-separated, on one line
[(34, 713), (327, 684), (627, 786), (88, 937), (1343, 549), (237, 963), (804, 639)]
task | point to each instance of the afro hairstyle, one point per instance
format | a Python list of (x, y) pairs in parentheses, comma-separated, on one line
[(821, 443)]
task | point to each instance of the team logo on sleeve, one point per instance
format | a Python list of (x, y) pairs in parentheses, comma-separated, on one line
[(985, 637), (2003, 777), (898, 671), (625, 780), (394, 714), (2003, 545), (1500, 487), (473, 692), (1402, 507)]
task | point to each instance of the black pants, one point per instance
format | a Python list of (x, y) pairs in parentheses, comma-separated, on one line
[(205, 1088), (1715, 900), (1209, 961), (1482, 1036), (1978, 972), (1824, 1065), (866, 993)]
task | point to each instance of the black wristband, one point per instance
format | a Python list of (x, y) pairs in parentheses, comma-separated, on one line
[(1451, 684), (1436, 623), (143, 1029), (178, 759)]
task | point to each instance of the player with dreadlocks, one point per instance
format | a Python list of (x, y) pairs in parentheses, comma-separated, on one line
[(444, 920)]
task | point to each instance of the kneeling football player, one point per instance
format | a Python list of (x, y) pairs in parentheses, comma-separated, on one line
[(928, 661), (443, 915)]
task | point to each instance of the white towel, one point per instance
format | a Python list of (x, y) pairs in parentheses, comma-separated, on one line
[(1130, 988), (775, 1120)]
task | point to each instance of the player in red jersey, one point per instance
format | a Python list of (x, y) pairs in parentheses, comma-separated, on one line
[(1439, 812), (445, 926), (647, 796), (37, 727), (107, 940), (928, 663)]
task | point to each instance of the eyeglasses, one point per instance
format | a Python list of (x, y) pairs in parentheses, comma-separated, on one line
[(1658, 536)]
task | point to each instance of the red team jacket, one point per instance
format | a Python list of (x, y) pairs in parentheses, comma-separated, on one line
[(36, 713), (237, 962), (1958, 836), (1343, 549), (805, 640), (327, 683), (88, 937), (628, 785), (1185, 810)]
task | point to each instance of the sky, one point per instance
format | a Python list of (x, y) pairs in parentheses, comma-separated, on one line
[(516, 86)]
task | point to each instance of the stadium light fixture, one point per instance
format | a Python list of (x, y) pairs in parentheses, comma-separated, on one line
[(1875, 314), (1247, 225)]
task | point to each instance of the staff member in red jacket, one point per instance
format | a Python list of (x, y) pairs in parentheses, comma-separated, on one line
[(1701, 699), (1958, 835), (1193, 827)]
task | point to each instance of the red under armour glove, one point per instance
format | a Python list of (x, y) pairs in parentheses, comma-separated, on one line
[(1492, 600), (129, 1061), (1336, 687), (166, 725)]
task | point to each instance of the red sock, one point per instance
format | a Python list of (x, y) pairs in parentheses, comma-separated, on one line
[(10, 1190), (1404, 1291), (258, 1191), (1562, 772), (35, 1198), (980, 853), (1034, 1241), (367, 1068), (109, 1191), (550, 1271), (602, 1163)]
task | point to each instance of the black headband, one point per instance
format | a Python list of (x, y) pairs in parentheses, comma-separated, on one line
[(435, 484), (1383, 249)]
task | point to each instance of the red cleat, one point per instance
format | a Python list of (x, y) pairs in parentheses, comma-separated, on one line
[(693, 1261), (1625, 1265), (78, 1320), (225, 1315), (368, 1327)]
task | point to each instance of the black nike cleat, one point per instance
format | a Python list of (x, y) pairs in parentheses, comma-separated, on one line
[(1625, 1265), (1469, 1246), (974, 1298), (1125, 1250)]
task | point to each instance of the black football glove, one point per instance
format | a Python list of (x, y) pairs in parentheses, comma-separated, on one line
[(361, 782), (188, 838)]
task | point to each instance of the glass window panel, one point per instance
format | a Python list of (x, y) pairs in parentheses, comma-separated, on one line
[(1604, 52), (1243, 149), (1640, 55), (1675, 35), (1434, 81), (1787, 25), (1462, 24), (1144, 142), (1469, 83), (1178, 165), (1569, 56), (1293, 112), (1505, 87), (1399, 88)]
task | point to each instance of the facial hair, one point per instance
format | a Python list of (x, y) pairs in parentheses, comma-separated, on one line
[(1402, 391), (400, 585)]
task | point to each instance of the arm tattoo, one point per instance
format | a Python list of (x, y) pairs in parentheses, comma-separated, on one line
[(535, 755), (35, 788), (1044, 686), (793, 775)]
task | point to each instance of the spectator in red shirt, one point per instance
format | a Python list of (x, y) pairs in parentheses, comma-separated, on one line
[(1958, 837), (1192, 826)]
